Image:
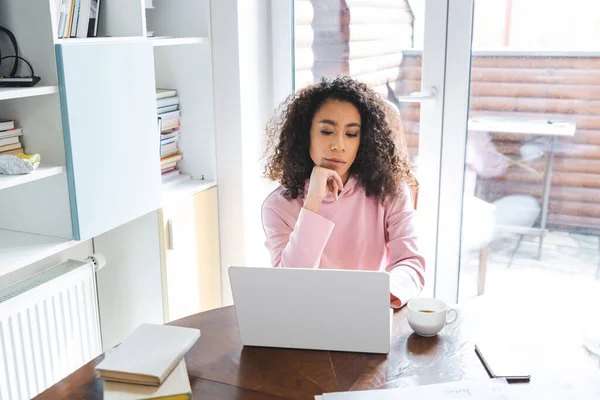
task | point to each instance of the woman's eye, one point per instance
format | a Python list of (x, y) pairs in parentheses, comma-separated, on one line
[(327, 132), (352, 135)]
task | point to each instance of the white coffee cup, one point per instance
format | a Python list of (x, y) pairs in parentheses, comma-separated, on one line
[(427, 317)]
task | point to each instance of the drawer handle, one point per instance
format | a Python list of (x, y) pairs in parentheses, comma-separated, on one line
[(170, 235)]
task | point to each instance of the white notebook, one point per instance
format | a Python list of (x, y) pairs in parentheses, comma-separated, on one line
[(175, 387), (148, 355)]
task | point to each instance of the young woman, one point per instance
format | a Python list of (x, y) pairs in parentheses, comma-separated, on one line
[(338, 152)]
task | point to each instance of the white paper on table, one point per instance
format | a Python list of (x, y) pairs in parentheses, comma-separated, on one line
[(488, 389)]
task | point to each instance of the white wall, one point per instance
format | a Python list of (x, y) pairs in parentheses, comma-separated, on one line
[(257, 107), (228, 126), (243, 101), (130, 285)]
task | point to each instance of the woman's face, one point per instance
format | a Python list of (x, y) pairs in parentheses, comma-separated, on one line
[(335, 136)]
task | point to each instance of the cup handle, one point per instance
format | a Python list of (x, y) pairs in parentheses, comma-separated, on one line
[(453, 318)]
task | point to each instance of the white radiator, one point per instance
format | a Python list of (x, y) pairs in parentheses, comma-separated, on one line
[(49, 327)]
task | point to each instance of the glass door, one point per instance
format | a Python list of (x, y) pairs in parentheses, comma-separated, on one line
[(530, 161), (398, 48), (524, 156)]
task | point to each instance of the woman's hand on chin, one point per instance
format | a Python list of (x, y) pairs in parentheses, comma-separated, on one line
[(322, 181)]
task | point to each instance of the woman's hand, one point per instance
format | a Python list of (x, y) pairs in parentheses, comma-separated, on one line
[(322, 181)]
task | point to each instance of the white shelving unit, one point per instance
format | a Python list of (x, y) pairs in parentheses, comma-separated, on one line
[(17, 93), (93, 120), (19, 249), (7, 181), (170, 41), (35, 220), (183, 187), (79, 132)]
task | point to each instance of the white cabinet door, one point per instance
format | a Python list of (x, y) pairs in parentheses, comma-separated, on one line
[(192, 272), (108, 103), (181, 274)]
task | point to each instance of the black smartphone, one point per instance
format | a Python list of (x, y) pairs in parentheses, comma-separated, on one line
[(501, 362)]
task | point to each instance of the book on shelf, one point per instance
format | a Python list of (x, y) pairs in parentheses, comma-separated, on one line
[(12, 152), (168, 149), (162, 93), (9, 147), (175, 387), (167, 108), (169, 120), (170, 116), (9, 140), (10, 143), (77, 18), (138, 359), (167, 101), (11, 133), (173, 158), (7, 125), (168, 163), (167, 142), (170, 125), (167, 176), (173, 134)]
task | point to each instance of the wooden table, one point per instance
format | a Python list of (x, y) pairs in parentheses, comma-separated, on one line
[(220, 368), (540, 127)]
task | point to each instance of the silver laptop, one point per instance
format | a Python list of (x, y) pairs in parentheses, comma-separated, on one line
[(313, 309)]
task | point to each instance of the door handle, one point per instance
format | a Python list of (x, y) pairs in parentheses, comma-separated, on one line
[(418, 97), (170, 234)]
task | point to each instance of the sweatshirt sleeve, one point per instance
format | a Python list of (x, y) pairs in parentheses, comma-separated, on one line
[(300, 246), (406, 266)]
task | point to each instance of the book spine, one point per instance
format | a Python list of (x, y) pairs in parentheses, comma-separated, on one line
[(69, 24)]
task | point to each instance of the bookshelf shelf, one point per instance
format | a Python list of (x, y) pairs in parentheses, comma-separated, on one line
[(91, 40), (19, 249), (44, 171), (185, 186), (174, 41), (17, 93)]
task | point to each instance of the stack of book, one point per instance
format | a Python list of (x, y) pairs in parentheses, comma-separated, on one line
[(77, 18), (149, 364), (9, 138), (167, 103)]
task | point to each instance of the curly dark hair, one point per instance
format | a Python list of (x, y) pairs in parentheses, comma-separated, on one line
[(381, 163)]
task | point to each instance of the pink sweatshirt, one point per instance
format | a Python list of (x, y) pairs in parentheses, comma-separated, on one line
[(356, 232)]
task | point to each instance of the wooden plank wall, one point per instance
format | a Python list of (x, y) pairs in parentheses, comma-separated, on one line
[(537, 87), (360, 38), (304, 38), (366, 39)]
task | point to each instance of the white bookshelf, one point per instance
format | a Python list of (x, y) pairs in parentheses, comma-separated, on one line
[(92, 40), (43, 171), (192, 18), (64, 128), (17, 93), (92, 119), (156, 41), (171, 41), (35, 220), (188, 69), (184, 187), (19, 249)]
